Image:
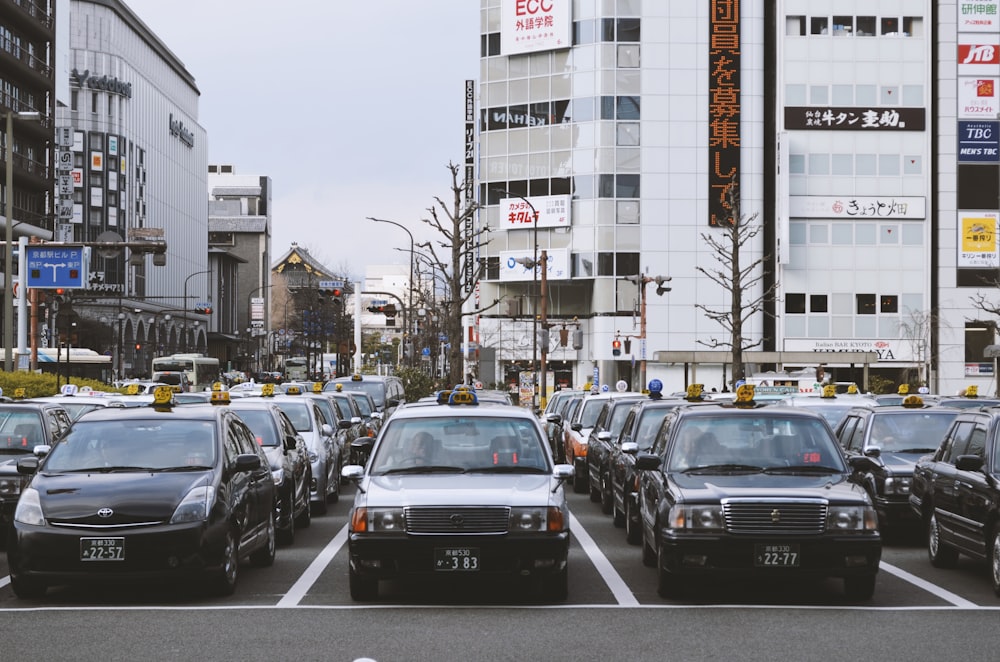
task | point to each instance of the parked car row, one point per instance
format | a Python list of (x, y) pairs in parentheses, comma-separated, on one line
[(159, 490)]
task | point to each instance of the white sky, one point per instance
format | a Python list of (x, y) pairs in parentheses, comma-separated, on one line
[(367, 104)]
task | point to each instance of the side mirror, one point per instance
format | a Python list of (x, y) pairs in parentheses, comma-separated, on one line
[(352, 472), (647, 462), (326, 430), (27, 465), (247, 462), (630, 447), (576, 427), (962, 463)]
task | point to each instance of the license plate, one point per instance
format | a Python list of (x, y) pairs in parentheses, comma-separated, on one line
[(456, 559), (776, 556), (102, 549)]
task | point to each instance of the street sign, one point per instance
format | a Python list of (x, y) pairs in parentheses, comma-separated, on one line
[(56, 266), (330, 284), (65, 161)]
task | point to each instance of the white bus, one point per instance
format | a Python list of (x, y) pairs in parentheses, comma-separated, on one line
[(296, 369), (201, 371)]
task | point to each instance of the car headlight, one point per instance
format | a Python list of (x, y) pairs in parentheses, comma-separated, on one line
[(313, 456), (10, 485), (851, 518), (897, 485), (278, 476), (538, 519), (378, 520), (703, 517), (29, 508), (196, 506)]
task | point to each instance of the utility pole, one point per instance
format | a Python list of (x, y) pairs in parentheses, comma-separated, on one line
[(543, 383)]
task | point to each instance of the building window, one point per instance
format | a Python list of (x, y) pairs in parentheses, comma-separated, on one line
[(818, 303), (889, 303), (795, 303), (865, 304), (977, 336), (628, 134), (628, 30), (627, 264), (605, 264)]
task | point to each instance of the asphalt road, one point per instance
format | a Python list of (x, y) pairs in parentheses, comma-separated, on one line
[(300, 609)]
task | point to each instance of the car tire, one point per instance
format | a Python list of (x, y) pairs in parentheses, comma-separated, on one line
[(595, 490), (264, 557), (27, 589), (607, 502), (668, 585), (228, 575), (995, 560), (363, 589), (304, 518), (633, 532), (286, 536), (617, 516), (860, 588), (939, 554), (648, 552)]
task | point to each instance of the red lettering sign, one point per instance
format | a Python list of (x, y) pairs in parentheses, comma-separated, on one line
[(524, 7)]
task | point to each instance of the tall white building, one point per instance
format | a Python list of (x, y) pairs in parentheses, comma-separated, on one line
[(623, 124)]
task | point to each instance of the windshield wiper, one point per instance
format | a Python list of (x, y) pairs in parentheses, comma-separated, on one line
[(107, 470), (804, 468), (185, 467), (708, 468), (507, 469), (427, 468), (912, 450)]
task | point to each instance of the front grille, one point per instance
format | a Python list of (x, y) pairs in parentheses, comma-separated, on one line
[(457, 520), (775, 516)]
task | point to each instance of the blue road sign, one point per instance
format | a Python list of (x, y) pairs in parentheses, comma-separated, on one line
[(55, 266)]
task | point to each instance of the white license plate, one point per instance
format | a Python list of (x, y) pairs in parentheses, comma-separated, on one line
[(456, 559), (776, 556), (102, 549)]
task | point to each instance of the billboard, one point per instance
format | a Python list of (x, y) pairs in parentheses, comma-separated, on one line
[(512, 265), (977, 239), (516, 213), (529, 26)]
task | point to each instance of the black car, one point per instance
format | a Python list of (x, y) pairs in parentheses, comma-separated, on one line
[(165, 493), (636, 436), (599, 446), (956, 492), (895, 437), (25, 426), (288, 457), (356, 442), (734, 491)]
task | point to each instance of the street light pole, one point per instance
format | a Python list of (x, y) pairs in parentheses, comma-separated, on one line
[(407, 314), (642, 281), (190, 276), (8, 290)]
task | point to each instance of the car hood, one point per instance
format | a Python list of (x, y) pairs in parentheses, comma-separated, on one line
[(901, 463), (464, 489), (833, 487), (133, 497), (8, 463)]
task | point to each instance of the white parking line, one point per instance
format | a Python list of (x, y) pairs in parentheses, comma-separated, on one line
[(613, 580), (315, 569), (933, 589)]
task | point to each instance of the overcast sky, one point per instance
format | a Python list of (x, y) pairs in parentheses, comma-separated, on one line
[(354, 109)]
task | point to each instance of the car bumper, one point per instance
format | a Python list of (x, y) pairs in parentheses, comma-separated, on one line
[(819, 556), (895, 510), (52, 555), (386, 558)]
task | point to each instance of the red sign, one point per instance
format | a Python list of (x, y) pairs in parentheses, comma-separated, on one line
[(978, 54)]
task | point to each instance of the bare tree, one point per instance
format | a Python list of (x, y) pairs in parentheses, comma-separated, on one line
[(737, 280), (916, 329), (454, 255)]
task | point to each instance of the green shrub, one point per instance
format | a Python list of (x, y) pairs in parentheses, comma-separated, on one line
[(38, 385)]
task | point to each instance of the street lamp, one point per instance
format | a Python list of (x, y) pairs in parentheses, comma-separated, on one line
[(190, 276), (8, 294), (534, 278), (409, 285)]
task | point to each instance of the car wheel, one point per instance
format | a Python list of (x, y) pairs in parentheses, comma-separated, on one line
[(607, 505), (940, 555), (286, 536), (27, 589), (617, 516), (305, 517), (667, 584), (581, 479), (264, 556), (633, 532), (595, 490), (333, 496), (995, 561), (228, 575), (648, 552), (363, 589), (860, 588)]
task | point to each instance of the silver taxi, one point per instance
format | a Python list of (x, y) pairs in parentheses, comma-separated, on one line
[(460, 490)]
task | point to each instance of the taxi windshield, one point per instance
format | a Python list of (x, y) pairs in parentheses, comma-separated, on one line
[(916, 431), (298, 412), (374, 389), (759, 443), (460, 445), (262, 425), (20, 431), (141, 444)]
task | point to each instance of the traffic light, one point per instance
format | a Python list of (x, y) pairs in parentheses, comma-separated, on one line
[(616, 347), (59, 295), (376, 309), (577, 339), (203, 310), (628, 345), (334, 294)]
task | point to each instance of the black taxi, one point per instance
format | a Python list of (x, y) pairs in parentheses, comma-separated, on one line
[(140, 494), (745, 491)]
